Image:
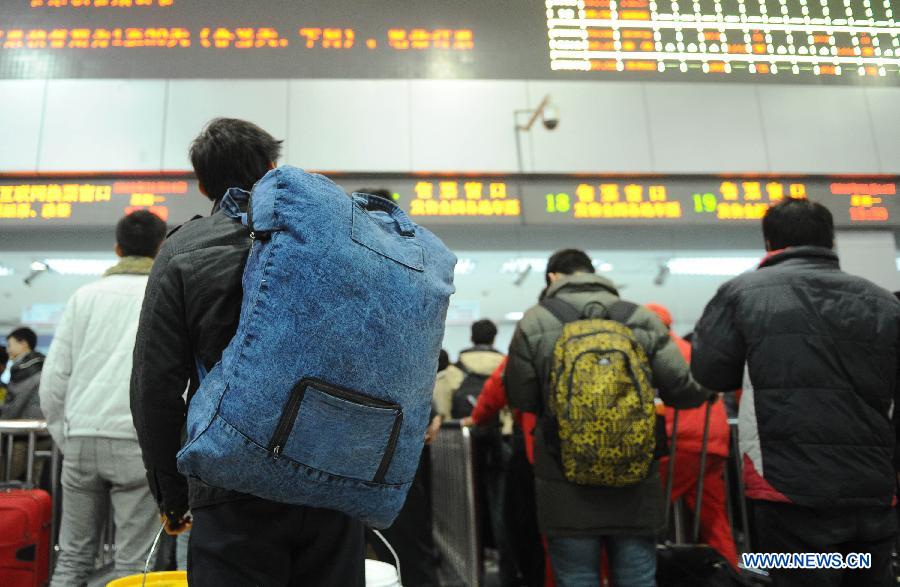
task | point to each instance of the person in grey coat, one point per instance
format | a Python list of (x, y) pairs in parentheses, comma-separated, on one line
[(580, 520), (22, 400)]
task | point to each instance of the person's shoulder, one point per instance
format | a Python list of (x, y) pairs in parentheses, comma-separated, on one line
[(865, 284), (198, 234), (188, 231), (871, 289), (535, 316), (203, 231), (451, 377), (88, 292), (644, 319)]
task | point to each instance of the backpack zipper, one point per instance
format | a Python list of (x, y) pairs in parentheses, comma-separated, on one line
[(291, 410), (286, 422)]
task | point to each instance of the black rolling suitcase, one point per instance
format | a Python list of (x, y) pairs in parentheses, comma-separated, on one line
[(694, 564)]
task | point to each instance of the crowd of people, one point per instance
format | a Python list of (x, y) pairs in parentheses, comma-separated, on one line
[(571, 485)]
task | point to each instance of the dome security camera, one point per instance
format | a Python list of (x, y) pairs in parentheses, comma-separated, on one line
[(550, 116)]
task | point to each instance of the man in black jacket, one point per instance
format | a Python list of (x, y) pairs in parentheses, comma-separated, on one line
[(816, 430), (190, 313)]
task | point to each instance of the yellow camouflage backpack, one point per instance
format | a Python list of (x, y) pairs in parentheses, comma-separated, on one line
[(600, 397)]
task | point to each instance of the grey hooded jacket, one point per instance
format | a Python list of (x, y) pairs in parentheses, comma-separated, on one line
[(564, 508)]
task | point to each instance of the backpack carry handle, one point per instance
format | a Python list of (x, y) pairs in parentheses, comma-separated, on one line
[(369, 202), (619, 311)]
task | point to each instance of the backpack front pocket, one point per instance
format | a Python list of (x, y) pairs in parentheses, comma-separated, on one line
[(337, 430)]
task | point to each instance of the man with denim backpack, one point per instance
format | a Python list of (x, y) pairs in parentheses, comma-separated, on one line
[(584, 509), (190, 314)]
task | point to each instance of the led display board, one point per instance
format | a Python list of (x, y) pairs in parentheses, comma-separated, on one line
[(761, 37), (64, 202), (490, 201), (790, 40), (706, 200)]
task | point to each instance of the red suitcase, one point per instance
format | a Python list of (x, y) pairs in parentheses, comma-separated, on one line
[(25, 516)]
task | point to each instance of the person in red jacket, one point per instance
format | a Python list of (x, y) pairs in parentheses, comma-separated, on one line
[(492, 400), (714, 527), (519, 505)]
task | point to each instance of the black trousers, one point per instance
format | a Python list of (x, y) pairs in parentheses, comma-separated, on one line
[(492, 455), (410, 534), (784, 527), (521, 515), (255, 542)]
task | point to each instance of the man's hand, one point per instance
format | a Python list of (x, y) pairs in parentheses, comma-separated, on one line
[(468, 422), (176, 524), (433, 429)]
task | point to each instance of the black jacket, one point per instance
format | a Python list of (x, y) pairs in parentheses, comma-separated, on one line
[(821, 353), (190, 313)]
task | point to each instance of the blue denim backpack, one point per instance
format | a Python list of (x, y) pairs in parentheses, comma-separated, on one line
[(323, 396)]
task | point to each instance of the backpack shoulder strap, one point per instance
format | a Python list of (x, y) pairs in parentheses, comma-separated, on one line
[(621, 311), (563, 311)]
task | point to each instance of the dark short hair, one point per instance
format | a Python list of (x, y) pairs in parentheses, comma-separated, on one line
[(380, 192), (443, 360), (569, 261), (798, 222), (484, 332), (140, 233), (232, 153), (26, 335)]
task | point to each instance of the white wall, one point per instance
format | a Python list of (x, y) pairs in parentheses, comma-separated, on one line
[(428, 125), (871, 254)]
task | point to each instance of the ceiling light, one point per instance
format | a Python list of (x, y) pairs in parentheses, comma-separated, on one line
[(603, 267), (514, 316), (464, 266), (79, 266), (724, 266), (38, 266), (522, 264), (5, 271)]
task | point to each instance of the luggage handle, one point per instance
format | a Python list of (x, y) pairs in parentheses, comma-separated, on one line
[(704, 449), (698, 506), (671, 468), (369, 202)]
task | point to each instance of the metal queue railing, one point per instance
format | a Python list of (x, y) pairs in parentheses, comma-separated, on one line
[(454, 507)]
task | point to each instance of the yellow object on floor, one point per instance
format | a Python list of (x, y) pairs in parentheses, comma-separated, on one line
[(164, 579)]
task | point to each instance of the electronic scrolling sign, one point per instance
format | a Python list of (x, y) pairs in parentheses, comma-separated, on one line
[(490, 201)]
